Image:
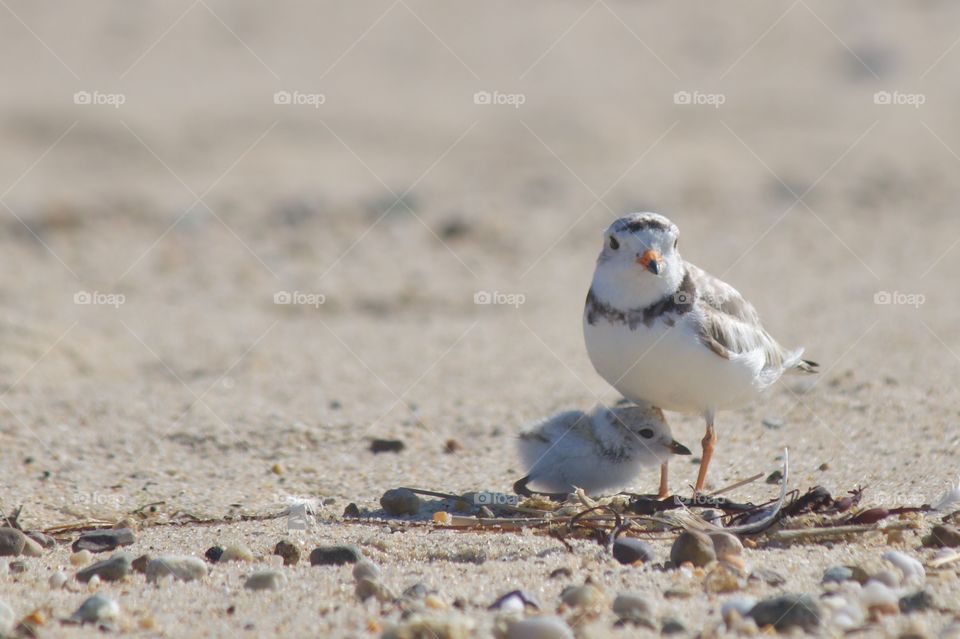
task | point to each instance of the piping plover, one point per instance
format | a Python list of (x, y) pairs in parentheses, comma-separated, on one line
[(664, 332), (597, 451)]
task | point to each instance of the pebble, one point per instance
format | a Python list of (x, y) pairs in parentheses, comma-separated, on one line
[(634, 608), (334, 555), (888, 578), (942, 536), (265, 580), (585, 596), (31, 548), (741, 605), (367, 588), (514, 601), (911, 569), (57, 580), (352, 510), (879, 599), (400, 501), (237, 552), (366, 569), (672, 627), (726, 545), (386, 446), (182, 567), (7, 619), (837, 574), (693, 546), (441, 627), (767, 576), (628, 550), (787, 611), (289, 551), (538, 628), (772, 423), (98, 609), (917, 602), (113, 569), (17, 567), (775, 477), (81, 558), (416, 591), (103, 540), (213, 554), (140, 563), (44, 540), (11, 542)]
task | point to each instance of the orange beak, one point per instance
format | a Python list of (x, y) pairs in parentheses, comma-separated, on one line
[(651, 261)]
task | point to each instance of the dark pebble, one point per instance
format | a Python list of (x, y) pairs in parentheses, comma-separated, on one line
[(837, 574), (400, 501), (289, 551), (787, 611), (352, 510), (628, 550), (334, 555), (213, 554), (11, 542), (18, 566), (103, 540), (672, 627), (140, 563), (693, 546), (916, 602), (561, 572), (113, 569), (942, 536), (775, 477), (44, 540), (386, 446)]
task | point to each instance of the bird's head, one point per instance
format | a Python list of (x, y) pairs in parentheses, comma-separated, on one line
[(648, 433)]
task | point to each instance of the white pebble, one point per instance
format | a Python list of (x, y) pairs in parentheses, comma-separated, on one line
[(57, 580), (182, 567), (539, 628), (913, 572)]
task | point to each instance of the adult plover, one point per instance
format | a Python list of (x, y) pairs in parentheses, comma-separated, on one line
[(664, 332), (598, 451)]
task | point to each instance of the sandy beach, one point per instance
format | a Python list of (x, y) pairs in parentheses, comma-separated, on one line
[(242, 240)]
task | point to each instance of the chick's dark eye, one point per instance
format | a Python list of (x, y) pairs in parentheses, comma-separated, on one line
[(614, 244), (675, 242), (646, 433)]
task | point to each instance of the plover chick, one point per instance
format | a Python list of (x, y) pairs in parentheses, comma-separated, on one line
[(663, 331), (603, 450)]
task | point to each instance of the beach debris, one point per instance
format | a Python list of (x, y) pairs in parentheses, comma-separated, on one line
[(289, 550), (628, 550), (787, 611), (180, 567), (265, 580), (400, 501), (113, 569), (103, 540), (538, 628), (693, 546), (378, 446), (98, 609), (11, 542), (334, 555)]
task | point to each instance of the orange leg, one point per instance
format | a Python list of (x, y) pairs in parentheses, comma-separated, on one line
[(664, 487), (709, 442)]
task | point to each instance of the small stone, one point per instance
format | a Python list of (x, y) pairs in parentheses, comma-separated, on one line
[(213, 554), (942, 536), (416, 591), (721, 579), (81, 558), (352, 510), (18, 567), (265, 580), (400, 501), (739, 605), (98, 609), (767, 576), (93, 584), (181, 567), (276, 469), (366, 569), (113, 569), (140, 563), (879, 599), (672, 627), (57, 580), (11, 542), (837, 574), (775, 477), (538, 628), (43, 539), (367, 588), (31, 548), (726, 545), (917, 602), (824, 466), (289, 551), (562, 571), (104, 540), (434, 602), (693, 546), (452, 446), (772, 423), (386, 446), (515, 601), (628, 550), (634, 608), (334, 555), (585, 596), (787, 611), (237, 552)]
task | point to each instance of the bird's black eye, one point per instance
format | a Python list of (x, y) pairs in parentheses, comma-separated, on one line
[(646, 433), (614, 244), (675, 242)]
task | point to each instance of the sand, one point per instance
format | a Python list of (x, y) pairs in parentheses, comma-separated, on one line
[(184, 210)]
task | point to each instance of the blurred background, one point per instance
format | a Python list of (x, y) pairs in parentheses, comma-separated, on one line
[(240, 239)]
